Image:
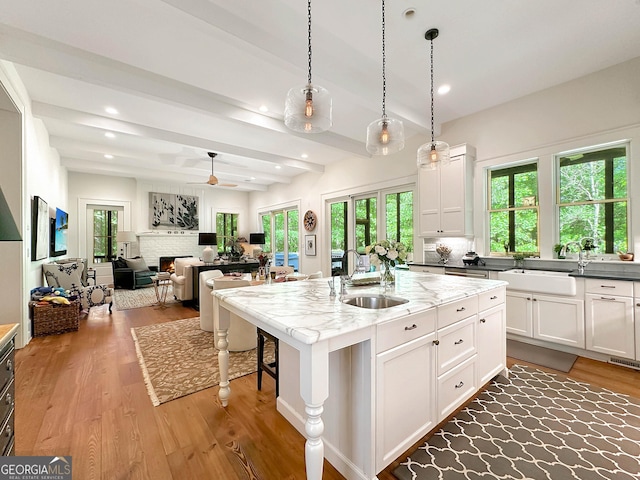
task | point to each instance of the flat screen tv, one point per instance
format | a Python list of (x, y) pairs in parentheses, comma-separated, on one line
[(59, 233)]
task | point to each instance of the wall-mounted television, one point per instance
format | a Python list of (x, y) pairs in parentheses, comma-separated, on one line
[(59, 233)]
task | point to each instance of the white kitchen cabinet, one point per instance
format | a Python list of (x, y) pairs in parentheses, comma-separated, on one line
[(446, 196), (491, 341), (609, 319), (397, 393), (550, 318), (636, 302)]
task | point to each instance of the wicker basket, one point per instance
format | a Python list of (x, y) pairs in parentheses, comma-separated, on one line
[(54, 318)]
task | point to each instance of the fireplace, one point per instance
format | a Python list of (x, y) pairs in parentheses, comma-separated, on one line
[(166, 263)]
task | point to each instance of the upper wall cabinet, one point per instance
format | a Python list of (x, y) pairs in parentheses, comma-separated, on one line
[(446, 196)]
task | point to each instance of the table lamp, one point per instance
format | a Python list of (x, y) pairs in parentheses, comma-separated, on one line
[(256, 239), (8, 229), (208, 239), (126, 237)]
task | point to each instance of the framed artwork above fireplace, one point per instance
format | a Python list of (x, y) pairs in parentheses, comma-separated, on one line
[(169, 211)]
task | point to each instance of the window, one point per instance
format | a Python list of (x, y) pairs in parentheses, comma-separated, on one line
[(105, 229), (339, 239), (399, 218), (282, 237), (592, 198), (226, 230), (366, 222), (513, 209)]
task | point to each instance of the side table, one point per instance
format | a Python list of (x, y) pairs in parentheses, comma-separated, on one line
[(161, 283)]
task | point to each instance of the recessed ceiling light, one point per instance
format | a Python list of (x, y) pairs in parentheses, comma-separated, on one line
[(263, 108), (111, 110), (278, 167), (304, 155), (109, 134), (108, 157), (444, 89)]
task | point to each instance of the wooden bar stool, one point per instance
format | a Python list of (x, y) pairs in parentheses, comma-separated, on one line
[(270, 369)]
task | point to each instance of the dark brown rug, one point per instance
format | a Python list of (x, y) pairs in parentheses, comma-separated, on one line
[(545, 357), (539, 426)]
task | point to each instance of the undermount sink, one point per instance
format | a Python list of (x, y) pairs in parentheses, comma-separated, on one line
[(539, 281), (373, 301)]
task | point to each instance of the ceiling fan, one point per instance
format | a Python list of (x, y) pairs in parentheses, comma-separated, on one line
[(213, 180)]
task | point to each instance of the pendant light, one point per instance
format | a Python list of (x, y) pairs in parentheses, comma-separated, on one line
[(308, 109), (433, 154), (384, 135)]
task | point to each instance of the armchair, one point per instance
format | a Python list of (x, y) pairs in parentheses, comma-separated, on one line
[(182, 278), (70, 274), (132, 273)]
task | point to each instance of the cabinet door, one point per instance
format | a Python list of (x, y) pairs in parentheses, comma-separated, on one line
[(429, 202), (559, 320), (519, 319), (637, 321), (452, 185), (609, 325), (405, 382), (492, 353)]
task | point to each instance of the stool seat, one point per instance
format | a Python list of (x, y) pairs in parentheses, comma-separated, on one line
[(270, 369)]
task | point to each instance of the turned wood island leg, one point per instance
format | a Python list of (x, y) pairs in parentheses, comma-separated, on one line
[(314, 364), (221, 322)]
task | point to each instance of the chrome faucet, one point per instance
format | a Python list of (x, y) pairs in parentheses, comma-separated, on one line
[(359, 262), (582, 262)]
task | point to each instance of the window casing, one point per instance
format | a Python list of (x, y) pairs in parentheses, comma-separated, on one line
[(282, 236), (592, 197), (105, 230), (513, 209)]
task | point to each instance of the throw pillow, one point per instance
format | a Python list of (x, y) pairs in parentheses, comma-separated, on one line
[(120, 263), (137, 264), (65, 275)]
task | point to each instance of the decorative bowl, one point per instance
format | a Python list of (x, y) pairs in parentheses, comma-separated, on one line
[(626, 257)]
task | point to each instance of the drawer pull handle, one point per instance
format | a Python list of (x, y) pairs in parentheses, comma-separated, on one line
[(458, 342), (9, 366), (461, 309), (483, 320), (436, 342), (412, 327), (460, 385), (607, 298), (607, 286), (9, 400), (493, 298), (7, 431)]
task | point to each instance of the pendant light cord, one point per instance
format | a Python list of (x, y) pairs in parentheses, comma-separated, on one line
[(309, 39), (384, 65), (432, 137)]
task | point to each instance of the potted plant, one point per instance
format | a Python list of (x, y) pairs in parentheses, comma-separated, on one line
[(519, 259), (558, 249)]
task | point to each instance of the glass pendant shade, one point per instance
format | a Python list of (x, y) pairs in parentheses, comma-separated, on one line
[(308, 109), (385, 136), (433, 154)]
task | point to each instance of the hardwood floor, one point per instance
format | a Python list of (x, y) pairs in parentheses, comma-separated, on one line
[(82, 394)]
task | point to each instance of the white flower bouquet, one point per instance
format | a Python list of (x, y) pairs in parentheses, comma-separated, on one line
[(388, 252)]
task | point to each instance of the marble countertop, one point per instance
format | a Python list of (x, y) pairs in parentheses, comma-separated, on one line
[(628, 276), (305, 311)]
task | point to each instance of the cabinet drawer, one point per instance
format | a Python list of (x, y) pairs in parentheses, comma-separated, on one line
[(6, 366), (456, 343), (455, 311), (6, 433), (455, 387), (7, 400), (609, 287), (491, 299), (396, 332)]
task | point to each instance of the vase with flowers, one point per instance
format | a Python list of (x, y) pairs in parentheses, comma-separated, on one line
[(385, 255), (264, 260)]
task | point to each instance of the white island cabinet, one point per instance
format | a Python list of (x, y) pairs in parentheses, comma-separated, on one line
[(362, 385)]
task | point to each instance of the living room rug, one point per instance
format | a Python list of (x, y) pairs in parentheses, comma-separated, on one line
[(545, 357), (538, 426), (140, 297), (178, 358)]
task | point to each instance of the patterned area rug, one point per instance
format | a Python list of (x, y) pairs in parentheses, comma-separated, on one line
[(539, 426), (178, 358), (140, 297)]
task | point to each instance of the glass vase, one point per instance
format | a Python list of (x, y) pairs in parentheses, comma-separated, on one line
[(387, 274)]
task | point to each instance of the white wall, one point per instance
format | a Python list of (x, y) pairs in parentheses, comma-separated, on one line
[(30, 167), (592, 110)]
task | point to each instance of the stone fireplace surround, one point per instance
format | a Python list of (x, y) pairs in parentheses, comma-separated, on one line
[(153, 247)]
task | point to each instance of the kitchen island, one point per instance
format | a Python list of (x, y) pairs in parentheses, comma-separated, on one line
[(393, 373)]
